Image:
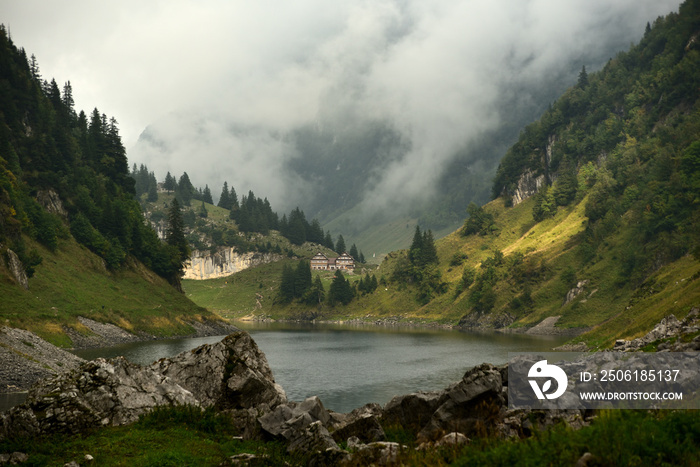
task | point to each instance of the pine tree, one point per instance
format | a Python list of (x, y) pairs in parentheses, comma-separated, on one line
[(414, 252), (340, 290), (583, 78), (316, 294), (177, 243), (340, 245), (170, 184), (328, 241), (429, 252), (206, 195), (185, 189), (354, 253), (175, 235), (224, 200), (302, 279), (287, 283)]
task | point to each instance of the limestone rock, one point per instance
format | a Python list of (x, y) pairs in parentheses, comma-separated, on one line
[(98, 393), (231, 374), (301, 425), (411, 411), (224, 262), (365, 427), (50, 201), (471, 406), (377, 453), (528, 185), (17, 269), (575, 291)]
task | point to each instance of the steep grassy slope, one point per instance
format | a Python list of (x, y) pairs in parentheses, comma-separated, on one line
[(72, 282), (538, 262)]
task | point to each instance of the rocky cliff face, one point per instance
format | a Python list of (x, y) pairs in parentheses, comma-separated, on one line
[(528, 185), (205, 265)]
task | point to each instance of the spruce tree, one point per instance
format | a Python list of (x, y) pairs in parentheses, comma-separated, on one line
[(414, 252), (170, 183), (224, 200), (340, 245), (302, 279), (287, 283), (177, 243), (316, 294), (206, 195)]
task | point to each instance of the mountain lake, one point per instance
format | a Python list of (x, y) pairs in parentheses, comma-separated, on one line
[(348, 366)]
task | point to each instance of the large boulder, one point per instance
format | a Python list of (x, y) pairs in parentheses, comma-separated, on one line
[(98, 393), (472, 406), (301, 425), (411, 411), (362, 423), (231, 374)]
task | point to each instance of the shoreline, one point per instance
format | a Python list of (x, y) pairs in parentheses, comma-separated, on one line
[(546, 327)]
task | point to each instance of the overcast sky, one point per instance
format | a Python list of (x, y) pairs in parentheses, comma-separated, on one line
[(432, 68)]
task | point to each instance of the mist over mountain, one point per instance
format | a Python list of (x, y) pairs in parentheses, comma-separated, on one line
[(394, 110)]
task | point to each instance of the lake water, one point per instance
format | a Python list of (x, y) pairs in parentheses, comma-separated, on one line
[(349, 366)]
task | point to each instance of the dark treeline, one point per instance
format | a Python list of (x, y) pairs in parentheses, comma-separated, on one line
[(252, 214), (296, 283), (47, 146)]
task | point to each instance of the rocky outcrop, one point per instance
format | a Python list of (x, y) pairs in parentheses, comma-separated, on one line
[(17, 269), (98, 393), (575, 291), (231, 374), (205, 265), (50, 201), (411, 411), (472, 406), (669, 335), (528, 185)]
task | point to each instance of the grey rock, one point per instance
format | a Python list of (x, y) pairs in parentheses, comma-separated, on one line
[(14, 458), (411, 411), (231, 374), (50, 201), (98, 393), (17, 269), (25, 358), (286, 419), (471, 406), (377, 453), (365, 428), (312, 438), (452, 439)]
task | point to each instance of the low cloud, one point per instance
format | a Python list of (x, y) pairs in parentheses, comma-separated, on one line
[(221, 86)]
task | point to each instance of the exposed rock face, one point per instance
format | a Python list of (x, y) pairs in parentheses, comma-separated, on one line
[(669, 329), (17, 269), (98, 393), (528, 185), (576, 291), (50, 200), (204, 265), (231, 374)]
